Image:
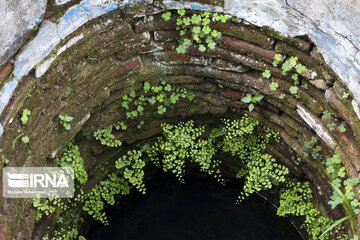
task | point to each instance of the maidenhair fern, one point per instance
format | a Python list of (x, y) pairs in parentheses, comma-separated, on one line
[(106, 137), (183, 142), (132, 166), (71, 158), (104, 191), (187, 143), (260, 170), (295, 199)]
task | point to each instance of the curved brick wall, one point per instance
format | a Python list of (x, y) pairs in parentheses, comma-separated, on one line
[(83, 71)]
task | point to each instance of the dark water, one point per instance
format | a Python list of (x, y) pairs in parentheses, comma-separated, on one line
[(201, 209)]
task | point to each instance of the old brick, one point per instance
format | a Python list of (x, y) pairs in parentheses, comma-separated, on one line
[(297, 42), (183, 79), (153, 23), (319, 83), (175, 58), (228, 66), (212, 2), (165, 36), (232, 94), (235, 57), (245, 33), (340, 89), (248, 48), (304, 58), (300, 43), (95, 91), (141, 11), (344, 112), (5, 71), (283, 47), (315, 54), (126, 67)]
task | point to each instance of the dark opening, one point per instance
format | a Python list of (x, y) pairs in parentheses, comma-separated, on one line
[(199, 209)]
